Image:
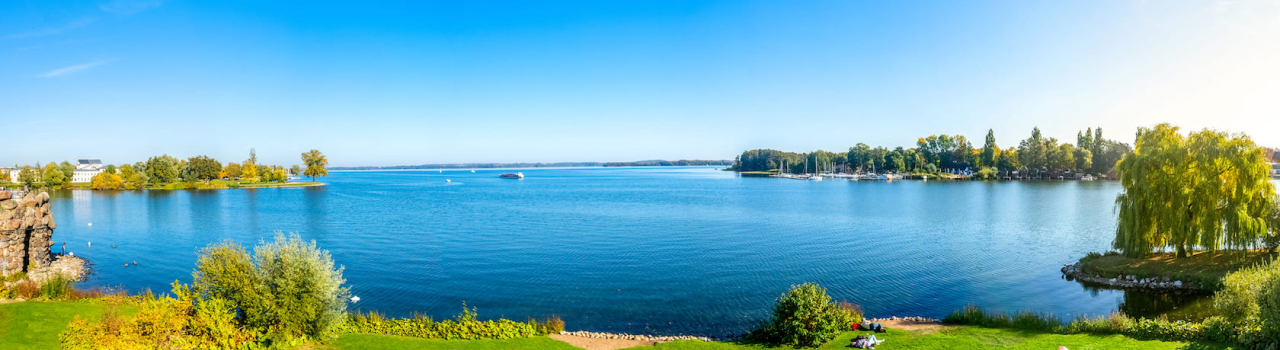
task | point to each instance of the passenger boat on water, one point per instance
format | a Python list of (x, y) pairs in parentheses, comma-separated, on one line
[(512, 176)]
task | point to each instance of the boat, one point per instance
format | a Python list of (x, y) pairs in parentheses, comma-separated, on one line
[(512, 176)]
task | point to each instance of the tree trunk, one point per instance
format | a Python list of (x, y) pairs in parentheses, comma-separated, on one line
[(1182, 250)]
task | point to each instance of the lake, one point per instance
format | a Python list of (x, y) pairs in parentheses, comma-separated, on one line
[(660, 250)]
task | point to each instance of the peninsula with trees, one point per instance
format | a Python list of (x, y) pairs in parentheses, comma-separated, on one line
[(165, 172)]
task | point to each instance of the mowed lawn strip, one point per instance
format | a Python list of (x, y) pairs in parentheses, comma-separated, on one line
[(970, 338), (35, 324)]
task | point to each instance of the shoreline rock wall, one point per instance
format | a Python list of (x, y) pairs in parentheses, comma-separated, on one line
[(1073, 272), (26, 231)]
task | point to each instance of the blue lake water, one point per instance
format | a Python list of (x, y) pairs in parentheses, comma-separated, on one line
[(643, 250)]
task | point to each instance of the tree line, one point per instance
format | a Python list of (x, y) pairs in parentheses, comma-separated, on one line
[(165, 169), (1090, 154)]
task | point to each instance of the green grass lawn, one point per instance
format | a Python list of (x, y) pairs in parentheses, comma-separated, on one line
[(35, 325), (1204, 268), (970, 338), (373, 342)]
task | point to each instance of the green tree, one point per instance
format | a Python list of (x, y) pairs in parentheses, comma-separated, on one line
[(68, 170), (203, 168), (52, 175), (1084, 159), (28, 176), (316, 164), (295, 170), (163, 169), (111, 168), (1063, 157), (859, 157), (990, 151), (1033, 152), (1207, 189), (1009, 159)]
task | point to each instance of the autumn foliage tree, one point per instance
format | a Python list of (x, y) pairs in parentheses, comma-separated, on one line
[(106, 181), (316, 164)]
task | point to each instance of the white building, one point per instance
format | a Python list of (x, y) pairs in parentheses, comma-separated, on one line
[(9, 173), (86, 169), (1275, 169)]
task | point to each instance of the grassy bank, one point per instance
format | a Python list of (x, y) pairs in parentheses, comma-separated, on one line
[(1203, 268), (35, 325)]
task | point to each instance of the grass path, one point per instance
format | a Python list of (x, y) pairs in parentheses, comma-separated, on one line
[(35, 325)]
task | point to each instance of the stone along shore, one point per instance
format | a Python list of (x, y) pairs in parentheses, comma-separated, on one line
[(624, 336), (1073, 272)]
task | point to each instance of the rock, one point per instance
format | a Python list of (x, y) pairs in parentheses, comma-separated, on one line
[(8, 204), (43, 197), (6, 214), (5, 195)]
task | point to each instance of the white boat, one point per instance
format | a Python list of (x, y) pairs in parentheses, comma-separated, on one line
[(512, 176)]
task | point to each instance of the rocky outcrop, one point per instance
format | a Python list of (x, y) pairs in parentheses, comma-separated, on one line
[(26, 231), (1073, 272)]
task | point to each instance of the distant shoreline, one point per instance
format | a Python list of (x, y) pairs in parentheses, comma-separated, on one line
[(643, 163)]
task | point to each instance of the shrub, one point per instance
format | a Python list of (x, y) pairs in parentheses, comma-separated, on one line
[(26, 289), (288, 287), (1212, 329), (55, 287), (986, 173), (803, 316), (853, 309), (553, 325), (464, 326), (1240, 301), (164, 323)]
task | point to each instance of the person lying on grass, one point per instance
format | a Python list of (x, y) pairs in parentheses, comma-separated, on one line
[(868, 342)]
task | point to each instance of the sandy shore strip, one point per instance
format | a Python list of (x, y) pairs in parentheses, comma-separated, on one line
[(600, 343), (910, 323)]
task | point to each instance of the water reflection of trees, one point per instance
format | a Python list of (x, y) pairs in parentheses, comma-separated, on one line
[(1176, 305)]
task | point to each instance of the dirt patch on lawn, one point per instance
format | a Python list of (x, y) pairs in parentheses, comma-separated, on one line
[(925, 326), (600, 343)]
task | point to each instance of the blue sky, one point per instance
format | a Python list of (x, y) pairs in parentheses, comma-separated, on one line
[(412, 82)]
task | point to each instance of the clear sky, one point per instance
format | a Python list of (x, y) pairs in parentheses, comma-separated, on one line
[(413, 82)]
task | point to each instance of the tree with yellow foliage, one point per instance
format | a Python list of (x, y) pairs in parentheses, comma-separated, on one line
[(106, 181), (249, 171)]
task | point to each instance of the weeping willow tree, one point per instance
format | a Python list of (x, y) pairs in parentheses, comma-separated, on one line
[(1206, 189)]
